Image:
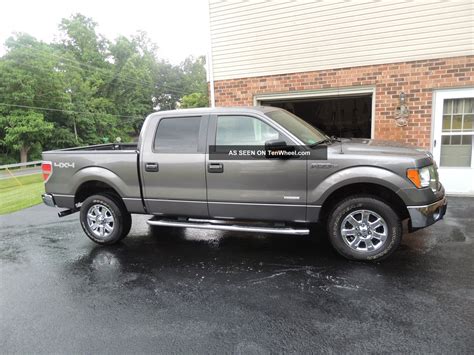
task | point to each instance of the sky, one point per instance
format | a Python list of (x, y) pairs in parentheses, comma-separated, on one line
[(178, 27)]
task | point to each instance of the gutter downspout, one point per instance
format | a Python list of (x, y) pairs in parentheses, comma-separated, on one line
[(210, 70)]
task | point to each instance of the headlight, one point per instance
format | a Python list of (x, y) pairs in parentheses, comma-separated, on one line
[(424, 177)]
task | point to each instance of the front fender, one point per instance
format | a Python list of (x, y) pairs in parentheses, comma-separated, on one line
[(357, 175)]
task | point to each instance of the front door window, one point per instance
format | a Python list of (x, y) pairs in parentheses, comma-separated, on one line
[(243, 130)]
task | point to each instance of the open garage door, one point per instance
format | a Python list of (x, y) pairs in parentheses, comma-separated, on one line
[(348, 116)]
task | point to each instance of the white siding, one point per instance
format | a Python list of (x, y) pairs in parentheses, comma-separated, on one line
[(265, 37)]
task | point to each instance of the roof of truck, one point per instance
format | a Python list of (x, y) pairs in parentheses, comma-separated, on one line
[(203, 110)]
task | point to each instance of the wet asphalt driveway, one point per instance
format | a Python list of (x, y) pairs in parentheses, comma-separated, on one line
[(173, 291)]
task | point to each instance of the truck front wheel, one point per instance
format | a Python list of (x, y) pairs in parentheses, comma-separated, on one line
[(364, 228), (105, 219)]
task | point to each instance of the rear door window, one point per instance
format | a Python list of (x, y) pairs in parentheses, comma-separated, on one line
[(177, 135)]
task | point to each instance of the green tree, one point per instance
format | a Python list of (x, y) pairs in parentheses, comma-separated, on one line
[(89, 88), (23, 130), (169, 86), (30, 77), (194, 74), (86, 71), (196, 99), (195, 83), (80, 39), (132, 87)]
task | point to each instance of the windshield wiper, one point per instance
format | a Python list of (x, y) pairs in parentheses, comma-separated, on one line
[(325, 140), (330, 140)]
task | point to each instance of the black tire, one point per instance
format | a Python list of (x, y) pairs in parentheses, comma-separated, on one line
[(112, 206), (365, 240), (127, 221)]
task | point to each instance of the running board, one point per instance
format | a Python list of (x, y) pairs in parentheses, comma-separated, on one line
[(211, 224)]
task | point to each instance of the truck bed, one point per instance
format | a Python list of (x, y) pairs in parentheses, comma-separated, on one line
[(115, 166)]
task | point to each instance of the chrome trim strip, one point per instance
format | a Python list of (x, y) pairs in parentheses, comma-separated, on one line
[(131, 198), (62, 195), (255, 204), (238, 228), (165, 200), (439, 202)]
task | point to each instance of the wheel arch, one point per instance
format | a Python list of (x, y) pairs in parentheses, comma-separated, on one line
[(373, 189), (93, 180), (368, 180), (94, 187)]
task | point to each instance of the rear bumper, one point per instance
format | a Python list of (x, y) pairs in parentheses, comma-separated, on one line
[(48, 200), (424, 216)]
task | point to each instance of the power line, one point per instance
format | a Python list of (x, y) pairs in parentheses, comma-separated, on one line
[(68, 111), (65, 103), (103, 70), (123, 79), (38, 98)]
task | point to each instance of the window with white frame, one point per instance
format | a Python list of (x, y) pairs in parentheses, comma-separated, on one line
[(457, 132)]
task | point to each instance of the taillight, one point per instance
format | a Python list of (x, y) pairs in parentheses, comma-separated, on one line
[(47, 170)]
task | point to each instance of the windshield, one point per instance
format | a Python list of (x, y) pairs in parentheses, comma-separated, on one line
[(302, 130)]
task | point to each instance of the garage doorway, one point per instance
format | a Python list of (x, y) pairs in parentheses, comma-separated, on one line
[(348, 116)]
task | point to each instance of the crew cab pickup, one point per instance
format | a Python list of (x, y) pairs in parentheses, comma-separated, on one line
[(248, 169)]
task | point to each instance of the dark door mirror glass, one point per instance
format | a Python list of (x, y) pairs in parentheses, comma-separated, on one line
[(272, 147), (276, 144)]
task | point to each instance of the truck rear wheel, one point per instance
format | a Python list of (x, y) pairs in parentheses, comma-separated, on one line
[(104, 219), (364, 228)]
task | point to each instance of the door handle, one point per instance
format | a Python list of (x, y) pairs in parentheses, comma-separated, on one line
[(215, 168), (151, 167)]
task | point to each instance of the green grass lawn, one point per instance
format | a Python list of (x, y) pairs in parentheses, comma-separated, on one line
[(14, 197)]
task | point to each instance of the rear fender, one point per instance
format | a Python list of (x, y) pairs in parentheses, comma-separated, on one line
[(102, 175)]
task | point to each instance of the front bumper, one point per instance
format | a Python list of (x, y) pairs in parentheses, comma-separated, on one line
[(48, 200), (424, 216)]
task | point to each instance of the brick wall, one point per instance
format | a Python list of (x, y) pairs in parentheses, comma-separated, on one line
[(417, 79)]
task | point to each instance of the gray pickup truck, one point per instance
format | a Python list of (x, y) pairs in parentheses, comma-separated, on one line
[(361, 189)]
